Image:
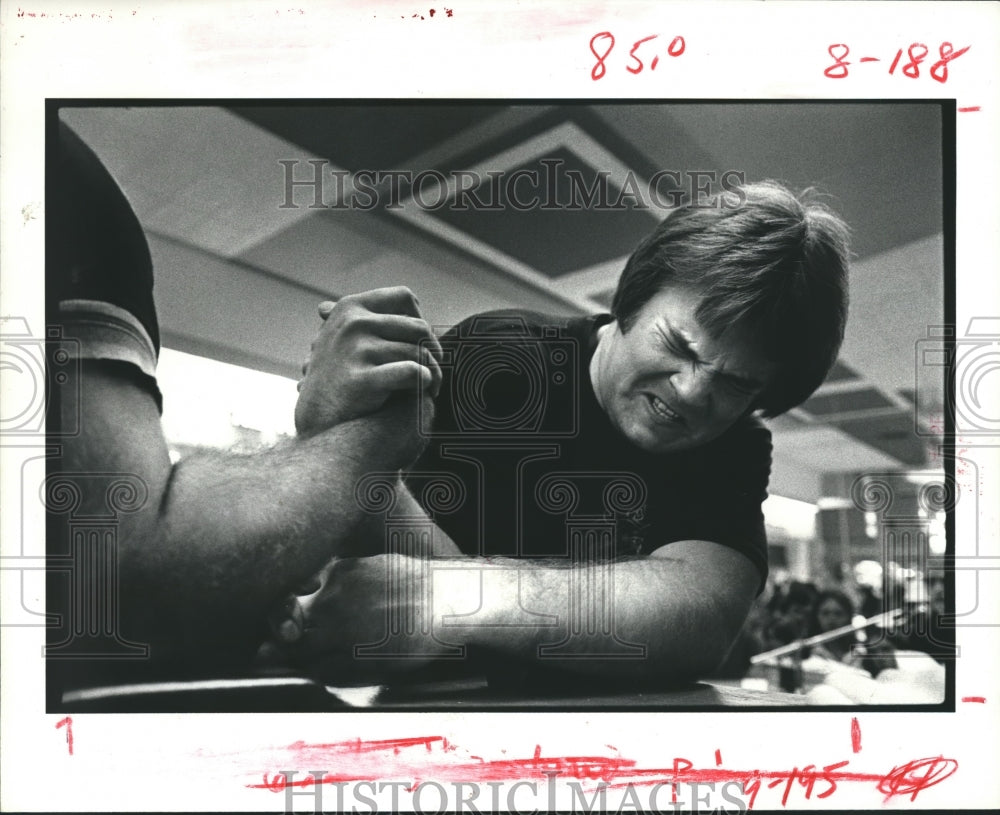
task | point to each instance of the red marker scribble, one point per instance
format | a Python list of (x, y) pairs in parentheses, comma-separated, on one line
[(971, 109), (917, 775), (433, 757), (68, 724), (806, 777), (855, 736), (979, 700)]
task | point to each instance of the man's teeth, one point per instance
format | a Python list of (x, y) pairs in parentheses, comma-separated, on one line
[(660, 406)]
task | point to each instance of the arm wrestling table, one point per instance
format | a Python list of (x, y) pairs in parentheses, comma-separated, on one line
[(293, 694)]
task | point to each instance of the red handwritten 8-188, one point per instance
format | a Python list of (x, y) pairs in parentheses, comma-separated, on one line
[(916, 54)]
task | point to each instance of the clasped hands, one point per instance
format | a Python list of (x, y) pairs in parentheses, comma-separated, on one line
[(376, 358), (366, 618)]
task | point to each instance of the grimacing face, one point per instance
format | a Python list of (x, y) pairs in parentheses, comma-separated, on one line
[(667, 384)]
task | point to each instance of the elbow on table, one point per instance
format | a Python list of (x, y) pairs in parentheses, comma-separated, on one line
[(693, 664), (700, 649)]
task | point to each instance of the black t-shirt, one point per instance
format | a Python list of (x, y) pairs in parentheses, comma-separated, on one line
[(95, 248), (544, 473), (96, 252)]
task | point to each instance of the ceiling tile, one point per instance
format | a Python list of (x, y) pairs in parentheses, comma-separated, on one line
[(359, 136), (845, 402), (894, 435), (575, 236)]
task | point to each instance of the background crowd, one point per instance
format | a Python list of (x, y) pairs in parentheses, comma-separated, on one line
[(891, 629)]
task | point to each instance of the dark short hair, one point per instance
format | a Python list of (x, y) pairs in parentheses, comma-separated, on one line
[(775, 266), (797, 593)]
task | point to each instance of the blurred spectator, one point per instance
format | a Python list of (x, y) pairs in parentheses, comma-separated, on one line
[(833, 610), (920, 628), (790, 612), (869, 603)]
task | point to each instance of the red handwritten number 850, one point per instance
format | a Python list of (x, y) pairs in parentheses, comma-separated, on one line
[(675, 49), (599, 70)]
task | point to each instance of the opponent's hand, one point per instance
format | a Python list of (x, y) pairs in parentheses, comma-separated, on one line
[(330, 633), (370, 347)]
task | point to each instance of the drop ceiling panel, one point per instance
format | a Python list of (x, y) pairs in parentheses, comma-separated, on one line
[(840, 372), (826, 449), (324, 249), (895, 296), (210, 307), (360, 136), (576, 237), (894, 434), (880, 162), (845, 402), (200, 174)]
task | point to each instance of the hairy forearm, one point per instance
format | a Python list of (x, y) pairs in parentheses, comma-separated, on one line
[(647, 618), (234, 534), (215, 541), (666, 616)]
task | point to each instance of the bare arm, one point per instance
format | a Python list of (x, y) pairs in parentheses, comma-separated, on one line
[(220, 538), (679, 610), (671, 615)]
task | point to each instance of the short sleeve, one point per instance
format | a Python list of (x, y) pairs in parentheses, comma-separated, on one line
[(99, 273)]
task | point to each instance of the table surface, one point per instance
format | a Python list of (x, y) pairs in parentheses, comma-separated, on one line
[(476, 694), (297, 694)]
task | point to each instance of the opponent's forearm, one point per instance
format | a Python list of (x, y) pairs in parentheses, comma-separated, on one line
[(643, 618), (212, 543), (234, 534)]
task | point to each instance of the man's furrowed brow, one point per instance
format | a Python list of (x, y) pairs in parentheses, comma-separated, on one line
[(677, 340), (682, 343)]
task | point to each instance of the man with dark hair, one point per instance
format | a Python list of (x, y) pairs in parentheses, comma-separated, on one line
[(612, 467), (776, 265)]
